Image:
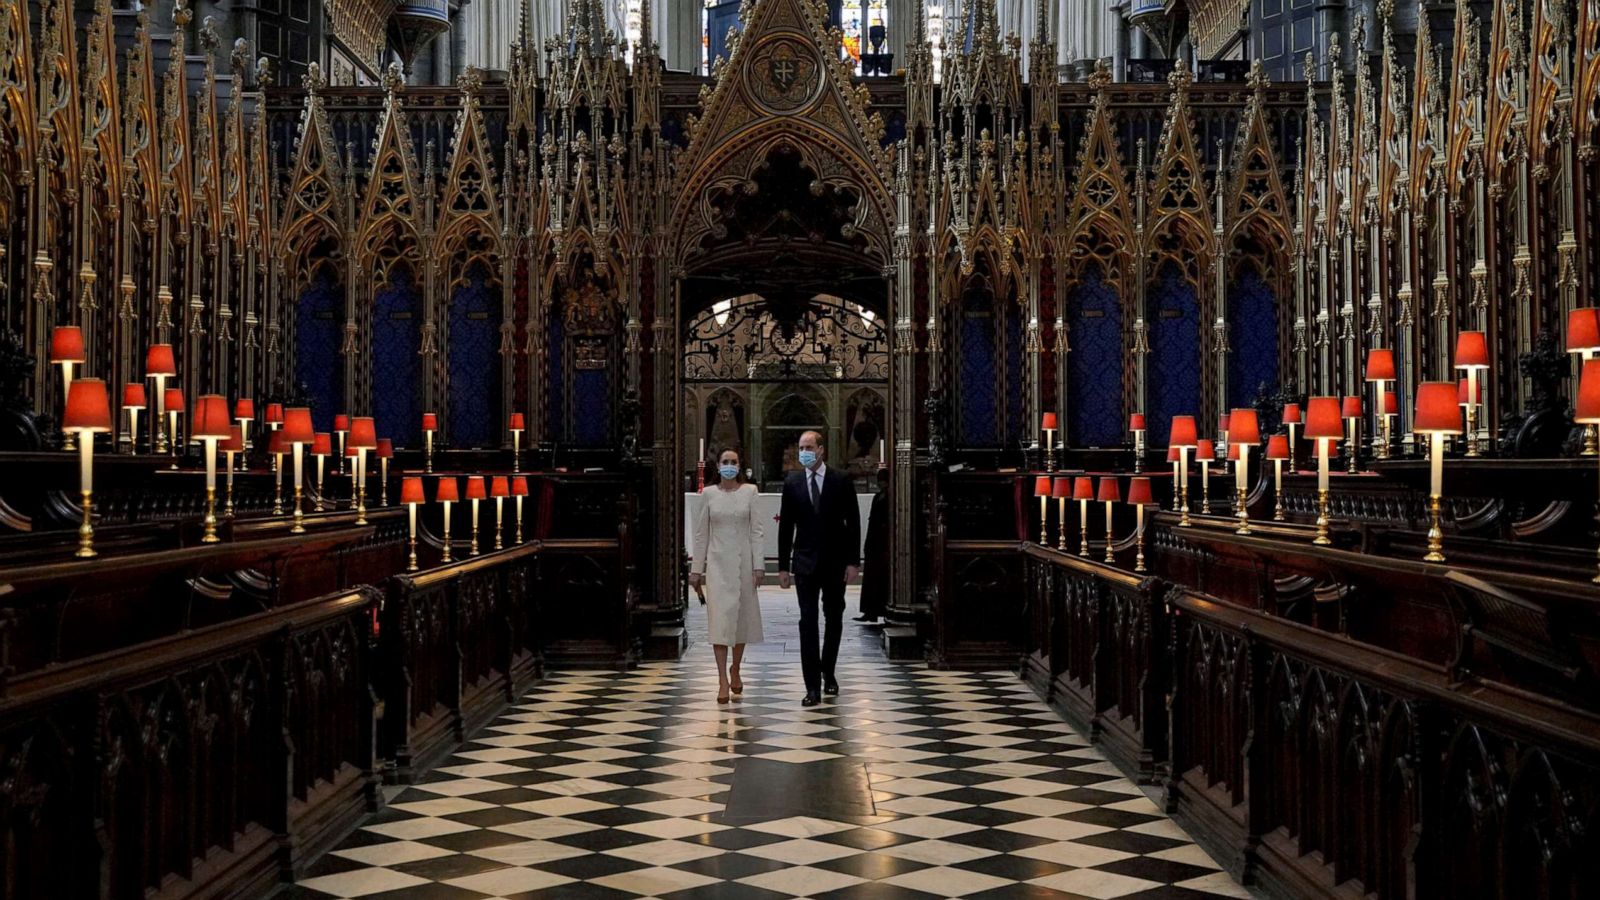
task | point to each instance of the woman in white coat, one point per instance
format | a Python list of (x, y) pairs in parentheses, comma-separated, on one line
[(729, 561)]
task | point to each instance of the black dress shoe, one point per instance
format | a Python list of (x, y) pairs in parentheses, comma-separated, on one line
[(831, 687), (811, 699)]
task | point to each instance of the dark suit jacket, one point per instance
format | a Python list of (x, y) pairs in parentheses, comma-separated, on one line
[(820, 543)]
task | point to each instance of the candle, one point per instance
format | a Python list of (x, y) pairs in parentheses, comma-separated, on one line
[(447, 518), (298, 447), (1241, 474), (1322, 464), (211, 463), (1183, 467), (1138, 518), (1108, 523), (1436, 463), (86, 461), (413, 516)]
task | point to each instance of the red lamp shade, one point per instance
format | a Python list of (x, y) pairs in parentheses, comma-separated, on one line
[(210, 418), (88, 407), (297, 428), (274, 414), (1291, 414), (1380, 364), (1172, 454), (322, 444), (498, 487), (158, 360), (351, 453), (172, 400), (1083, 488), (1464, 393), (1583, 330), (411, 490), (518, 423), (385, 448), (1391, 404), (1184, 433), (1062, 488), (66, 344), (1136, 423), (519, 486), (1207, 450), (430, 422), (1588, 412), (1322, 418), (133, 396), (1278, 446), (341, 422), (244, 409), (1049, 422), (1472, 350), (1041, 486), (1110, 490), (363, 433), (235, 441), (1139, 492), (1437, 410), (475, 489), (447, 491), (1222, 424), (1351, 408), (277, 444), (1233, 450), (1246, 427)]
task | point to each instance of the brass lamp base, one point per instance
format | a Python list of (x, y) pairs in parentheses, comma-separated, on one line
[(411, 562), (210, 536), (1435, 531), (1243, 504), (86, 530), (1322, 539)]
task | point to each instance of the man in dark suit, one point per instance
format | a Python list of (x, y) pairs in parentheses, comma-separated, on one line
[(819, 528)]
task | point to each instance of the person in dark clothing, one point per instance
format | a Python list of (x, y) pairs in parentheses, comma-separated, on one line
[(875, 577), (819, 529)]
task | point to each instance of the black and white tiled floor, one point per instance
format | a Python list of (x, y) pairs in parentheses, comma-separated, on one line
[(638, 784)]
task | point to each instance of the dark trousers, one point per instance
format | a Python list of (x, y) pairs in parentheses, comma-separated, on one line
[(831, 591)]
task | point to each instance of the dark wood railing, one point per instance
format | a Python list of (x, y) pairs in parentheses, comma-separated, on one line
[(1334, 724)]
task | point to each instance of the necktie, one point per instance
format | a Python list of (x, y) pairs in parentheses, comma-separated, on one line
[(816, 497)]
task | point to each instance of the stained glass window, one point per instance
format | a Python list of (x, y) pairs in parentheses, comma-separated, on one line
[(1094, 376), (396, 367), (632, 26), (319, 319), (857, 18), (474, 361)]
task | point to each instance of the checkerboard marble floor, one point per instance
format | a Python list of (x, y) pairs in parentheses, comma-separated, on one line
[(624, 785)]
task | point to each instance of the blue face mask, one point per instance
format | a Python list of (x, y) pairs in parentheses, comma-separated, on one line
[(808, 458), (728, 473)]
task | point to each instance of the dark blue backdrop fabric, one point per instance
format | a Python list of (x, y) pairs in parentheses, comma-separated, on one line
[(319, 320), (977, 361), (1174, 367), (474, 365), (1094, 376), (396, 367), (1253, 335)]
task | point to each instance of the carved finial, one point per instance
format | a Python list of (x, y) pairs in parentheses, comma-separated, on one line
[(1309, 67), (181, 15), (1181, 78), (313, 80), (1101, 76), (209, 41), (393, 78), (239, 57), (1258, 75), (264, 71), (471, 80)]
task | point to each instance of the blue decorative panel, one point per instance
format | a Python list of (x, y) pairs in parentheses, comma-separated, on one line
[(978, 406), (396, 367), (319, 320), (1016, 383), (1253, 334), (1094, 376), (557, 380), (1174, 367), (591, 407), (474, 365)]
